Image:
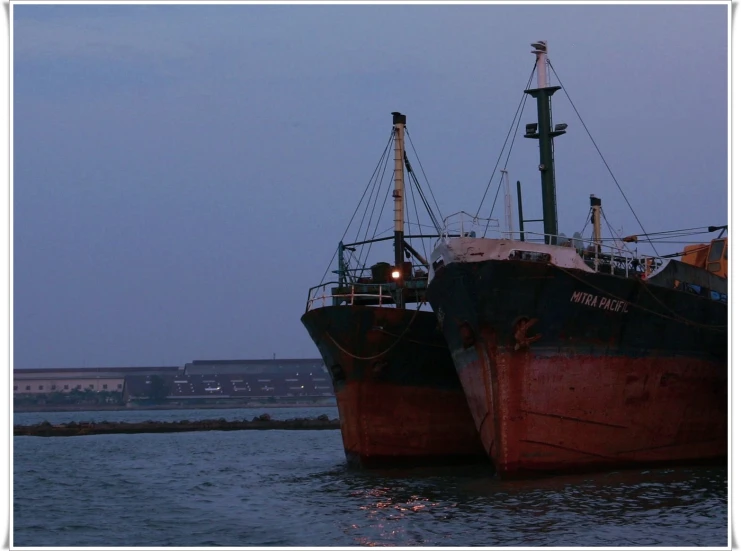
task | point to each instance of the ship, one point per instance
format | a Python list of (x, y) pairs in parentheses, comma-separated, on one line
[(399, 398), (579, 355)]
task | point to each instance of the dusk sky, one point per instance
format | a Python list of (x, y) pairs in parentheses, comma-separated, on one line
[(183, 174)]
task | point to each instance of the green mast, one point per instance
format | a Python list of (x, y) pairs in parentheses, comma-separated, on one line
[(544, 133)]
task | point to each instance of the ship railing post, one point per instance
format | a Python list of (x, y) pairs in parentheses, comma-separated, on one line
[(380, 295), (612, 261), (352, 295)]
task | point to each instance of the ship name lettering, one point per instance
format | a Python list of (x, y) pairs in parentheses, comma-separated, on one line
[(596, 301)]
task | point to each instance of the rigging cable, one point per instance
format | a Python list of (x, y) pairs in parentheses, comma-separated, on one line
[(600, 154), (378, 221), (415, 181), (506, 161), (373, 210), (413, 178), (684, 242), (684, 253), (609, 226), (374, 178), (519, 107), (704, 228), (356, 209), (589, 214), (414, 202), (425, 176)]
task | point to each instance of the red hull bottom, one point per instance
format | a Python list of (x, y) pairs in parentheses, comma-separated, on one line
[(560, 413), (388, 425)]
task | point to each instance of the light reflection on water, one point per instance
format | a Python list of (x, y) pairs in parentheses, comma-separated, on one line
[(679, 506), (293, 488)]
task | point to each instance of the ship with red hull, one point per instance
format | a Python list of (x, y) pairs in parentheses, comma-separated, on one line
[(398, 395), (579, 358), (399, 398), (567, 369)]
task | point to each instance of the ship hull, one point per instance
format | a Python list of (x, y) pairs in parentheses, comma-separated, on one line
[(569, 371), (398, 394)]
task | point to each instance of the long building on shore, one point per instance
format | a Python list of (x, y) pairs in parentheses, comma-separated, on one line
[(201, 380)]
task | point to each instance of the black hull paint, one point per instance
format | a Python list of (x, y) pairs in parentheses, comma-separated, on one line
[(568, 371), (577, 312), (399, 397)]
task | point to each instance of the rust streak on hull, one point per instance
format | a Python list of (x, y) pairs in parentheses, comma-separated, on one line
[(607, 422), (386, 425), (398, 394), (555, 385)]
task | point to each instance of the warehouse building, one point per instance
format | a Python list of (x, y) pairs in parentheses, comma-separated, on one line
[(97, 379), (201, 381)]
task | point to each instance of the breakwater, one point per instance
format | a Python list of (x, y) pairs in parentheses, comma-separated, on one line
[(263, 422)]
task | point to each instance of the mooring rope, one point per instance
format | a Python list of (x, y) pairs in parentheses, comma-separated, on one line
[(397, 341)]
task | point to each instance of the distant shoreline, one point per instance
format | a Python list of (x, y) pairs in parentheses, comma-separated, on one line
[(82, 407)]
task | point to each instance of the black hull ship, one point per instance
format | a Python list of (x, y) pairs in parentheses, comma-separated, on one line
[(577, 358), (398, 394)]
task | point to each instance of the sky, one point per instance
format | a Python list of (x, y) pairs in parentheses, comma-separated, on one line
[(182, 174)]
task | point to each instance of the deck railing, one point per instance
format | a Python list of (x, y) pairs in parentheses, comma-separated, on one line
[(615, 259), (323, 298)]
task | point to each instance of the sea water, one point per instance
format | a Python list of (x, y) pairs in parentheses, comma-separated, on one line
[(293, 488)]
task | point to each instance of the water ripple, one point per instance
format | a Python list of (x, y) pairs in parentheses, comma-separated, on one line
[(286, 488)]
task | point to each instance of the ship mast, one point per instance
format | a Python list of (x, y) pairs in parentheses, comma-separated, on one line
[(399, 125), (545, 137), (596, 204)]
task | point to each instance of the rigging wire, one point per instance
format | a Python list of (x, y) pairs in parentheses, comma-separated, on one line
[(703, 228), (415, 181), (373, 210), (378, 221), (408, 230), (383, 161), (414, 202), (600, 154), (423, 174), (356, 209), (684, 242), (520, 105), (609, 226), (664, 237), (683, 253), (589, 213), (506, 162)]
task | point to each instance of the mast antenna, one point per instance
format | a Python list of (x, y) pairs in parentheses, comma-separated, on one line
[(509, 228)]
